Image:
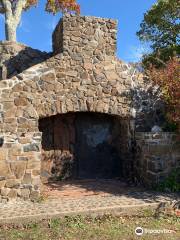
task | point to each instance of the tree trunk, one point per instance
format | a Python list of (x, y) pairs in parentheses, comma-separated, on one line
[(10, 31), (12, 17)]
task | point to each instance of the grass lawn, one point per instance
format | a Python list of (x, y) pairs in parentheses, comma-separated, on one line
[(88, 228)]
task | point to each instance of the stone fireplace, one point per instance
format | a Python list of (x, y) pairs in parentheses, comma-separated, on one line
[(82, 145), (69, 116)]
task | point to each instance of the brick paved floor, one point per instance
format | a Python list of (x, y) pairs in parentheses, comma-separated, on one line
[(83, 197), (90, 187)]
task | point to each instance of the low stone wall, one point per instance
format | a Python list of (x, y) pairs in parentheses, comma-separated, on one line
[(157, 154)]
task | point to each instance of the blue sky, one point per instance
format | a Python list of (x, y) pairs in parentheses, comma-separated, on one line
[(36, 26)]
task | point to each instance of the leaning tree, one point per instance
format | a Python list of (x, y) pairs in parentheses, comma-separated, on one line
[(13, 9)]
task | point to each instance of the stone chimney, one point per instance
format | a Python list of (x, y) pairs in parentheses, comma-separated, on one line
[(86, 37)]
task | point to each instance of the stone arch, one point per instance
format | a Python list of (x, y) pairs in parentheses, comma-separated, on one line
[(43, 91), (61, 84), (67, 141)]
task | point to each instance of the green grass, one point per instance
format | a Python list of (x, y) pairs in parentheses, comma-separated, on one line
[(87, 228), (171, 183)]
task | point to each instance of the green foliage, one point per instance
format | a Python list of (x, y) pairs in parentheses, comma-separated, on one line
[(161, 28), (160, 56), (54, 223), (170, 127), (33, 226), (76, 222), (171, 183)]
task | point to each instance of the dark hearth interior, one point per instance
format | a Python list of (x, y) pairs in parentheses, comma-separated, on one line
[(81, 145)]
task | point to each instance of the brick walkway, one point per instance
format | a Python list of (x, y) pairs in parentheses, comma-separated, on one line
[(82, 197)]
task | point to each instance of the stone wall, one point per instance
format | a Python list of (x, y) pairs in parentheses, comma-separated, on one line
[(94, 38), (61, 84), (82, 75), (16, 57), (84, 38), (147, 103), (157, 154)]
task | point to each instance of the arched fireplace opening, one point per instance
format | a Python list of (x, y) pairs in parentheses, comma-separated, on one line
[(83, 145)]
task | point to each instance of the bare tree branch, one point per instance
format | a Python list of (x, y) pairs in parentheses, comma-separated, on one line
[(7, 7)]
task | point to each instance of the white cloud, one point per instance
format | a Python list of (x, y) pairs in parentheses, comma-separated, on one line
[(136, 52)]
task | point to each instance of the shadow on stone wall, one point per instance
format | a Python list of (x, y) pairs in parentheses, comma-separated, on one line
[(150, 108), (15, 58)]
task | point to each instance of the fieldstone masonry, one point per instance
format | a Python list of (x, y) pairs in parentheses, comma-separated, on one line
[(82, 75), (157, 154), (16, 57)]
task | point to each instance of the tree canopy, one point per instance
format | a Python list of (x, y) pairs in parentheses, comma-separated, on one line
[(168, 78), (12, 9), (55, 6), (161, 28)]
